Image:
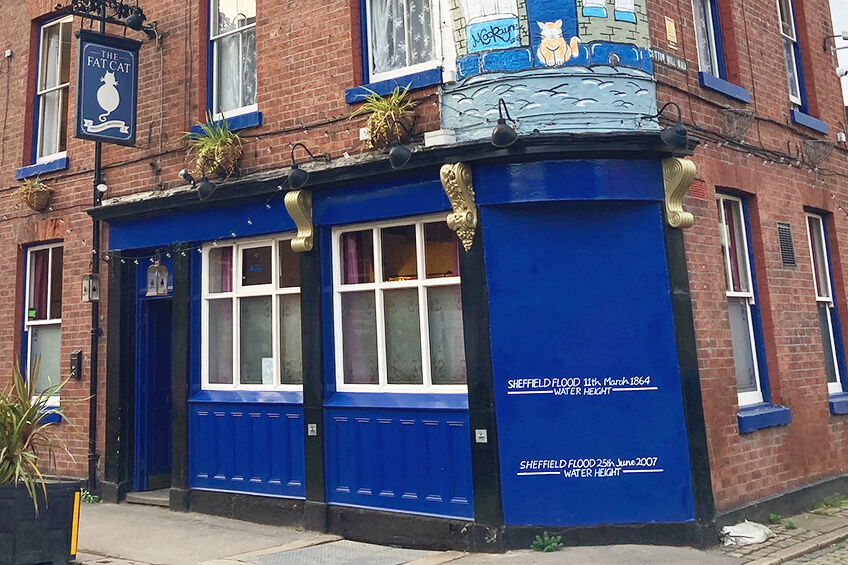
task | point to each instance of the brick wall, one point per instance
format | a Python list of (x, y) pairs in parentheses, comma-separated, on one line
[(764, 166)]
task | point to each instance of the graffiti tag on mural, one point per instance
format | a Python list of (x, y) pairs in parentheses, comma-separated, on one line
[(494, 34)]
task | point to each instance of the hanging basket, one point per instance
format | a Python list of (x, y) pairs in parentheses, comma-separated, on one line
[(35, 194)]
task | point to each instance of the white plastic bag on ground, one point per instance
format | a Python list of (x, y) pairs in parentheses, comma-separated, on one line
[(746, 533)]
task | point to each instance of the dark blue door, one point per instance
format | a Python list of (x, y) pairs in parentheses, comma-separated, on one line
[(153, 452)]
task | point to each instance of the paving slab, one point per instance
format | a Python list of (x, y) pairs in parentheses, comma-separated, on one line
[(818, 522), (604, 555), (150, 534), (342, 552)]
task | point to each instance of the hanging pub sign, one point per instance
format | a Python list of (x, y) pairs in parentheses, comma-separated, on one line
[(107, 83)]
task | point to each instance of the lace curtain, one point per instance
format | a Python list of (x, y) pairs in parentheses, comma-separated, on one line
[(401, 34)]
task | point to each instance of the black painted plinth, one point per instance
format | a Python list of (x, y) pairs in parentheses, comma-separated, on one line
[(692, 534), (114, 492), (179, 500), (249, 508), (315, 516)]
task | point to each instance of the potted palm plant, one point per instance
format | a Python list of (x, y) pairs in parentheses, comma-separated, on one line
[(390, 117), (215, 147), (38, 515)]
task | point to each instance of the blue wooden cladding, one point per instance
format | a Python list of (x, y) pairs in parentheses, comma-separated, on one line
[(406, 460), (247, 447)]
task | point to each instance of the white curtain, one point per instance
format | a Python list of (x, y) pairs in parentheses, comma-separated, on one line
[(400, 34)]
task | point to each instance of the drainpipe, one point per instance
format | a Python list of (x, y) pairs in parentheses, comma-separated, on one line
[(93, 456)]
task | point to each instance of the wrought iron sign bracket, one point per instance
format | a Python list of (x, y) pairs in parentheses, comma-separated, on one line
[(456, 181), (114, 12), (299, 206), (678, 175)]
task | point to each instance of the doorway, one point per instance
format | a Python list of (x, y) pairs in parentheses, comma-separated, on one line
[(153, 396)]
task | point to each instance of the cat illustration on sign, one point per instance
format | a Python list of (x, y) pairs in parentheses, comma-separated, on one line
[(553, 51), (107, 95)]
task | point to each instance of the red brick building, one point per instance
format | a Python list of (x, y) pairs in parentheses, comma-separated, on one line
[(763, 409)]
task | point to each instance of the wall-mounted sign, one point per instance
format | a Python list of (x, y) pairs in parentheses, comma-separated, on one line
[(107, 82), (669, 60), (670, 33)]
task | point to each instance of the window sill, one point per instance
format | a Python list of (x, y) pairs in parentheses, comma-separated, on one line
[(52, 417), (384, 87), (758, 416), (724, 87), (237, 122), (429, 401), (803, 119), (256, 396), (838, 403), (41, 168)]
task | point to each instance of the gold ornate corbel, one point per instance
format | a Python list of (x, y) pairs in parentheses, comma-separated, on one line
[(456, 180), (299, 206), (678, 175)]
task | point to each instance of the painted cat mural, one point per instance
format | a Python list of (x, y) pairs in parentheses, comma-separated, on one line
[(553, 51)]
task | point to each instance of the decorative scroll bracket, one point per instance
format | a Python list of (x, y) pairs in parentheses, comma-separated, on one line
[(299, 206), (678, 175), (456, 180)]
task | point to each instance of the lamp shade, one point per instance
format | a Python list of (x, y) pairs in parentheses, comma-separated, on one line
[(399, 155), (297, 177), (503, 135), (675, 136), (205, 188)]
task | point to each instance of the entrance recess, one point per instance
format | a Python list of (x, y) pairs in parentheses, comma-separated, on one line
[(153, 396)]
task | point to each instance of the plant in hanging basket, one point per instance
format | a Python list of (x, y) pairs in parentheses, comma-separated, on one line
[(384, 112), (35, 194), (216, 148)]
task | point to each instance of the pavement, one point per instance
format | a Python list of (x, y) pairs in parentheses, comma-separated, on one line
[(131, 534)]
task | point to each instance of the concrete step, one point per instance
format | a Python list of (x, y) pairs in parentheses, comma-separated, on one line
[(151, 498)]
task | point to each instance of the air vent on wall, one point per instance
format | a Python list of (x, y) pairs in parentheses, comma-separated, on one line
[(787, 249)]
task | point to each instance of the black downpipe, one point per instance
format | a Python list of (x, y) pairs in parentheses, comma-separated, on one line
[(93, 456)]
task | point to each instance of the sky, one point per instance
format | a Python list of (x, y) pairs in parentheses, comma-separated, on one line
[(839, 9)]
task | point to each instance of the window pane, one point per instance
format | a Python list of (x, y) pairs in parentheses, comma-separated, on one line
[(743, 348), (399, 257), (221, 341), (388, 35), (403, 337), (441, 251), (291, 363), (359, 338), (235, 13), (447, 343), (65, 61), (50, 47), (289, 266), (56, 284), (38, 273), (786, 19), (248, 68), (791, 70), (45, 344), (419, 37), (48, 125), (357, 250), (827, 342), (704, 36), (62, 142), (736, 247), (221, 269), (819, 257), (256, 266), (227, 73), (256, 357)]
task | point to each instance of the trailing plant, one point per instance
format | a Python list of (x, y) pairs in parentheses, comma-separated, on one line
[(89, 498), (390, 117), (24, 441), (34, 193), (547, 543), (216, 148)]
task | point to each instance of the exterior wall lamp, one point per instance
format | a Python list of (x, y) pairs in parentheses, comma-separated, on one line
[(676, 135), (399, 154), (843, 36), (157, 278), (503, 135), (298, 177), (204, 188)]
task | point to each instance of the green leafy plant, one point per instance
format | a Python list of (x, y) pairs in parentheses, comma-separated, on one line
[(547, 543), (835, 500), (24, 441), (89, 498), (215, 148), (790, 525), (34, 193), (391, 117), (775, 518)]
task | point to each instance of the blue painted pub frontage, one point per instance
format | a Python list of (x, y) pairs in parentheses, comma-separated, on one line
[(487, 343)]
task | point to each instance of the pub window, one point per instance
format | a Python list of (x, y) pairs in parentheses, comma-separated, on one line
[(54, 72), (398, 308), (233, 44), (251, 315), (43, 315)]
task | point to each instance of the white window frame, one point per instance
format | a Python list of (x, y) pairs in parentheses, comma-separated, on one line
[(711, 38), (754, 396), (436, 33), (826, 299), (213, 39), (54, 399), (421, 283), (793, 39), (238, 292), (40, 93)]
